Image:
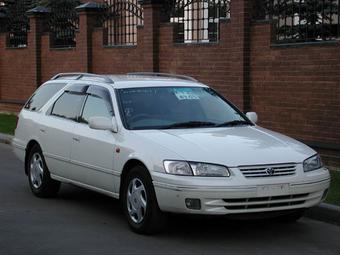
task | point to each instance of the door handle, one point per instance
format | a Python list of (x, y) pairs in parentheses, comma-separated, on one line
[(42, 130), (76, 139)]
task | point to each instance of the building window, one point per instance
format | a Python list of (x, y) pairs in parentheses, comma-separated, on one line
[(301, 20), (198, 21), (121, 19)]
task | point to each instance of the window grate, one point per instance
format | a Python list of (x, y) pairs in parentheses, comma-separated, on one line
[(63, 23), (196, 21), (301, 20), (121, 19), (16, 22)]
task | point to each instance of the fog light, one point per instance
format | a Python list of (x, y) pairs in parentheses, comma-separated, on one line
[(193, 203)]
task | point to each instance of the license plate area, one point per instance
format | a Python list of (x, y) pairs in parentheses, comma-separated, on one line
[(273, 190)]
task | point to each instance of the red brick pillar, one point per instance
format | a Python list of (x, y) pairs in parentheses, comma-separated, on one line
[(2, 48), (151, 34), (240, 23), (88, 17), (37, 18)]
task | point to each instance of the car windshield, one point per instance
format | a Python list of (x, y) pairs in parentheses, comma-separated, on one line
[(176, 107)]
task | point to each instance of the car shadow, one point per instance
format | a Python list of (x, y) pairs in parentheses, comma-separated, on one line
[(182, 226)]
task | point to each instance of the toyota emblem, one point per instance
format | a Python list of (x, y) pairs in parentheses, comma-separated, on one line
[(270, 171)]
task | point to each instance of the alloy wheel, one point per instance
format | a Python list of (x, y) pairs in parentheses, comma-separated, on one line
[(136, 200), (36, 170)]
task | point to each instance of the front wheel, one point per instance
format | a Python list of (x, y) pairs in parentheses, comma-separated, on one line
[(40, 181), (140, 203)]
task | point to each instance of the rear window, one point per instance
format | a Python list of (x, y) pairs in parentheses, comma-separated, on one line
[(42, 95)]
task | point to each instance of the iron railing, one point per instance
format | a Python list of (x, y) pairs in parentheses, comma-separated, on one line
[(63, 22), (3, 16), (196, 20), (120, 20), (301, 20), (16, 22)]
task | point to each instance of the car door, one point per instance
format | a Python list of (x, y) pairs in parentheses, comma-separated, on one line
[(56, 128), (92, 152)]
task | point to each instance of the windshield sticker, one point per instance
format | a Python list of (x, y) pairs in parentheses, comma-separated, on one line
[(185, 94)]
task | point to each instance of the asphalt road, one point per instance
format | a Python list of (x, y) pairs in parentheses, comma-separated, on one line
[(83, 222)]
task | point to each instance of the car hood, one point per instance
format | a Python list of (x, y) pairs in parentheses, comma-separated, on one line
[(235, 146)]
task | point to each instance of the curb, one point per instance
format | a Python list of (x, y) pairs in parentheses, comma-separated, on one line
[(326, 213), (323, 212), (7, 139)]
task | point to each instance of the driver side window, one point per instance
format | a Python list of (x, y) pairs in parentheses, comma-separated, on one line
[(96, 106)]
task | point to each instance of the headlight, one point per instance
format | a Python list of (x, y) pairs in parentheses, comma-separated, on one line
[(312, 163), (195, 169)]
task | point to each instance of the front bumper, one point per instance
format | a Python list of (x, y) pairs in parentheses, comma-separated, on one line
[(219, 196)]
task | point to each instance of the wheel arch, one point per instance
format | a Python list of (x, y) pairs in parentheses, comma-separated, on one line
[(130, 164), (29, 146)]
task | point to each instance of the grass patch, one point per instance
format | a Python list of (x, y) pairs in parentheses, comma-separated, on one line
[(7, 123), (334, 191)]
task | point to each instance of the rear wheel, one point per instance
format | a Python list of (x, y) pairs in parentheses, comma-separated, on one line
[(40, 181), (140, 203)]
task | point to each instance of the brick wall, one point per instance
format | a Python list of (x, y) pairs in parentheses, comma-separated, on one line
[(17, 74), (222, 65), (120, 59), (203, 60), (295, 90)]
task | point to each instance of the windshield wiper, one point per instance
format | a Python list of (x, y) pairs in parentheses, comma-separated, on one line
[(234, 123), (190, 124)]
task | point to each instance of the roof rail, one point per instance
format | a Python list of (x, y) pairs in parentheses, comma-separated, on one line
[(178, 76), (79, 76)]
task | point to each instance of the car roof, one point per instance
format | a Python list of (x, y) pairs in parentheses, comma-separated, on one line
[(134, 80)]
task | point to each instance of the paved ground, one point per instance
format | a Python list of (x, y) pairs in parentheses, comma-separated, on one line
[(83, 222)]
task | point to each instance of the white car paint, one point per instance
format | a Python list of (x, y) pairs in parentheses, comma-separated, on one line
[(86, 157)]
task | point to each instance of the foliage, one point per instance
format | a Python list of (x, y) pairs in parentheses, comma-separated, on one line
[(7, 123), (314, 18), (334, 191)]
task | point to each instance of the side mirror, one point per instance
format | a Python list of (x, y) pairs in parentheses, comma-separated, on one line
[(103, 123), (252, 116)]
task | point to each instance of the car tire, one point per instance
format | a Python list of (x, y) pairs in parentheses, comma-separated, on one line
[(292, 216), (140, 203), (39, 178)]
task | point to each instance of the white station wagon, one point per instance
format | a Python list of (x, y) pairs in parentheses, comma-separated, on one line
[(163, 143)]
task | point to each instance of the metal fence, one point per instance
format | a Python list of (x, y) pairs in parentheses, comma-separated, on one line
[(121, 19), (196, 20), (3, 15), (16, 22), (63, 22), (301, 20)]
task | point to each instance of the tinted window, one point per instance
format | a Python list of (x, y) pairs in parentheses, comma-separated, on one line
[(171, 107), (42, 95), (68, 105), (96, 107)]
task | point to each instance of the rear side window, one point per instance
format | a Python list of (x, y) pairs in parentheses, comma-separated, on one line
[(42, 95), (68, 105)]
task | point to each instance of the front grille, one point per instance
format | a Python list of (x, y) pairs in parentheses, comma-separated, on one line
[(268, 171), (265, 202)]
